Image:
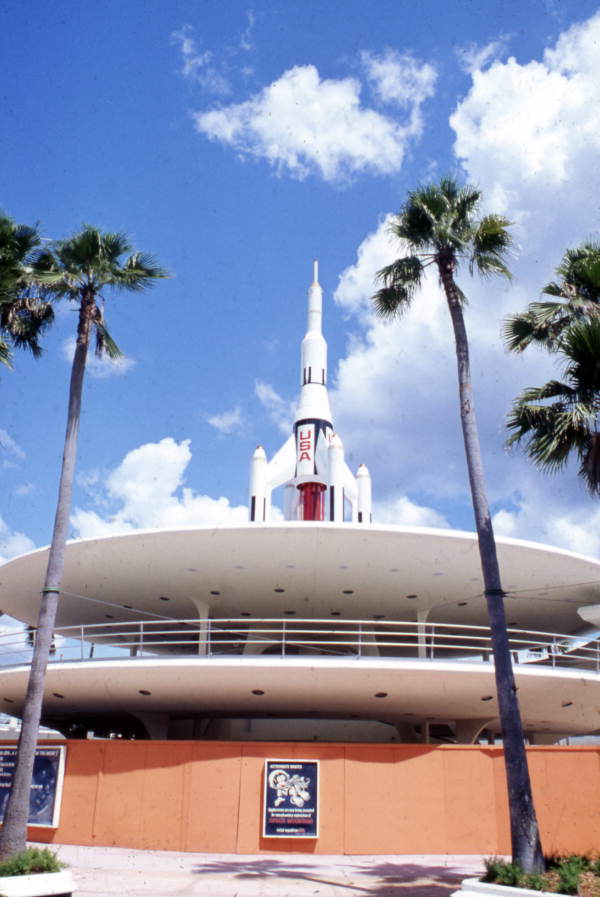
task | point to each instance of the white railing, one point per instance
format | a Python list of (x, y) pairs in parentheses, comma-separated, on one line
[(284, 637)]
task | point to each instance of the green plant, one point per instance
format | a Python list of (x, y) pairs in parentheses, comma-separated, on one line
[(32, 860), (569, 871), (502, 872), (535, 882)]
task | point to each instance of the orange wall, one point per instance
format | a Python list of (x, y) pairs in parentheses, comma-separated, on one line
[(404, 799)]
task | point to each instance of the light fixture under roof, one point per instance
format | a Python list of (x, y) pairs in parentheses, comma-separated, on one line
[(411, 597), (144, 691), (488, 698), (348, 591), (279, 590), (8, 700), (57, 694), (335, 613), (245, 613), (164, 598), (257, 691), (462, 604), (567, 704), (214, 592), (290, 613), (381, 694)]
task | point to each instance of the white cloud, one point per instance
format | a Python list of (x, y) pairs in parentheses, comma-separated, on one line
[(473, 57), (303, 124), (400, 79), (228, 421), (101, 366), (9, 445), (197, 66), (279, 409), (541, 518), (246, 42), (528, 135), (404, 512), (25, 489), (148, 490), (12, 543)]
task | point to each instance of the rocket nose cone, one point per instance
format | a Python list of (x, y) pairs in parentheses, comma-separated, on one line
[(363, 471), (259, 453), (335, 441)]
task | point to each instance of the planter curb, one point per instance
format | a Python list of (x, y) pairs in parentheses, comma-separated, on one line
[(472, 887), (42, 884)]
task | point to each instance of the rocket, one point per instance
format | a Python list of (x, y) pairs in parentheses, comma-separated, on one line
[(310, 464)]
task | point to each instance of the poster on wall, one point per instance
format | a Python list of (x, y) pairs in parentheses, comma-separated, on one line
[(291, 799), (46, 785)]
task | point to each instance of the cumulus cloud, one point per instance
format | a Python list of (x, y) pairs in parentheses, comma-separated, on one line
[(540, 517), (99, 366), (227, 422), (12, 543), (303, 124), (198, 66), (473, 57), (10, 446), (148, 491), (404, 512), (280, 410), (528, 134), (400, 79)]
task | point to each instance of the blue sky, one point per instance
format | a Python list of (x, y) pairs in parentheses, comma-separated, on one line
[(237, 142)]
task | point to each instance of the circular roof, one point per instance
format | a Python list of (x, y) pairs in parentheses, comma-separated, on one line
[(352, 571)]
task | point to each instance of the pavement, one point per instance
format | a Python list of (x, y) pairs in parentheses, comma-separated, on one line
[(110, 871)]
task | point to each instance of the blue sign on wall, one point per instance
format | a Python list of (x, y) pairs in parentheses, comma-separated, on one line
[(46, 785), (291, 799)]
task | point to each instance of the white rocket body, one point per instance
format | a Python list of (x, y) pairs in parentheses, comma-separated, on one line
[(311, 462)]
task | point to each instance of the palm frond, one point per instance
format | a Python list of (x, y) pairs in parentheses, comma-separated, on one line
[(392, 302), (490, 243), (5, 354), (105, 344)]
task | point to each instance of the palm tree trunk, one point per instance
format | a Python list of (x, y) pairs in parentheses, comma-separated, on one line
[(13, 837), (525, 839)]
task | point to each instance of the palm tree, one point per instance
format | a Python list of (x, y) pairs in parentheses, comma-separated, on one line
[(77, 269), (578, 295), (561, 418), (24, 313), (438, 226)]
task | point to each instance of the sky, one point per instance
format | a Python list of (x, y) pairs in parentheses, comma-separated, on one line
[(237, 142)]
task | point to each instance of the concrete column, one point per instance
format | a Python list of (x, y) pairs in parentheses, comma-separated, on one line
[(202, 609), (155, 724), (467, 731), (422, 615)]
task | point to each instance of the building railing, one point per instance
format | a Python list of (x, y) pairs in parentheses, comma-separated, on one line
[(318, 638)]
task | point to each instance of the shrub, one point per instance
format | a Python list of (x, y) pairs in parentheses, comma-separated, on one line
[(34, 859), (502, 872)]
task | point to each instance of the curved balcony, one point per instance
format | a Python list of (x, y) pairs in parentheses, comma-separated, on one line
[(143, 639)]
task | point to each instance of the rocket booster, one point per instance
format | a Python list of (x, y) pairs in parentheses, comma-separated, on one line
[(311, 462)]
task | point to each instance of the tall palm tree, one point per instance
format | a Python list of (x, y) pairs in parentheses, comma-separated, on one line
[(78, 269), (578, 295), (560, 418), (437, 226), (24, 312)]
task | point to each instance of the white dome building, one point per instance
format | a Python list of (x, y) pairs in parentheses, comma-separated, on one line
[(324, 627)]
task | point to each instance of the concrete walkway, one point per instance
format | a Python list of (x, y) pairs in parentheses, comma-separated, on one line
[(110, 871)]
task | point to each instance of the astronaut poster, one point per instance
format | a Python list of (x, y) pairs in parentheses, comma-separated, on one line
[(291, 799), (46, 785)]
